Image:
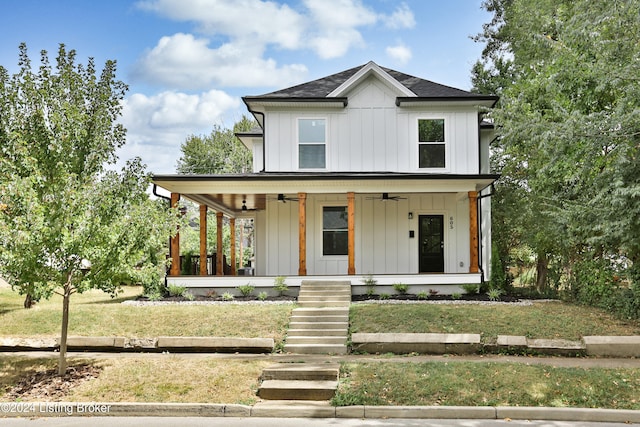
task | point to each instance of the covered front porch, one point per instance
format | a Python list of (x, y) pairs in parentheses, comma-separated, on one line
[(387, 225)]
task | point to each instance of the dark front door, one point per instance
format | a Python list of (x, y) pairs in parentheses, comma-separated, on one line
[(431, 243)]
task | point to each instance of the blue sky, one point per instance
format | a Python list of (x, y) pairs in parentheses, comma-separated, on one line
[(188, 62)]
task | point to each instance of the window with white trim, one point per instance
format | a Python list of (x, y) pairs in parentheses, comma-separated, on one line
[(431, 144), (335, 230), (312, 143)]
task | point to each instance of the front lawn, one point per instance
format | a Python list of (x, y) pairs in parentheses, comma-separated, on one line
[(487, 384), (541, 320), (94, 313)]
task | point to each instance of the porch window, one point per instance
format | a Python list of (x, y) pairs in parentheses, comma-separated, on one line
[(312, 144), (431, 143), (334, 230)]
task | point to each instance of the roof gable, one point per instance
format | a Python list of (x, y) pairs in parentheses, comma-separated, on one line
[(363, 73)]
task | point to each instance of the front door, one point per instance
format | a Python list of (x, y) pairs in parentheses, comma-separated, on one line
[(431, 243)]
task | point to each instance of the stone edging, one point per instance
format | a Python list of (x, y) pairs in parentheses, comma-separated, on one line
[(159, 344), (302, 410), (599, 346)]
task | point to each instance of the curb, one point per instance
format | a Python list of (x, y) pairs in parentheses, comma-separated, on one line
[(305, 410)]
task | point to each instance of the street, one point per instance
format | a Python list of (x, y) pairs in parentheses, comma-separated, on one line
[(280, 422)]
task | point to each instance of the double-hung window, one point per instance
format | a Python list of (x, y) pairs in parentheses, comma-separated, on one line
[(335, 230), (312, 143), (431, 144)]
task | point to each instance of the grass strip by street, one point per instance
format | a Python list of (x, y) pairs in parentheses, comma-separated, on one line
[(96, 314), (549, 320), (148, 379), (486, 384)]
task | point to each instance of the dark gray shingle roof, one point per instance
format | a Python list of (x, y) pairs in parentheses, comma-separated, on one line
[(320, 88)]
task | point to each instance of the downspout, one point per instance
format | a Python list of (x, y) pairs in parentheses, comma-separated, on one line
[(480, 197), (168, 199)]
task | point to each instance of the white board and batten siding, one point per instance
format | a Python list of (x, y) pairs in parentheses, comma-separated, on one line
[(373, 134), (382, 241)]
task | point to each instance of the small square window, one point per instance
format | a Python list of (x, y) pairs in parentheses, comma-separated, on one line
[(431, 143)]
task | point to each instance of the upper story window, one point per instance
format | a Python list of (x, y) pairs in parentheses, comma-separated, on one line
[(312, 143), (431, 143)]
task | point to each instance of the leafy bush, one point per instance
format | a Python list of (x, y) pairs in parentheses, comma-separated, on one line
[(176, 290), (499, 279), (423, 295), (494, 294), (280, 286), (228, 296), (401, 288), (246, 290), (189, 296), (456, 295), (385, 296), (263, 296), (471, 288), (370, 283)]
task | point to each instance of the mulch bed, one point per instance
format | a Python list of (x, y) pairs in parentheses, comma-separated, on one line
[(47, 386)]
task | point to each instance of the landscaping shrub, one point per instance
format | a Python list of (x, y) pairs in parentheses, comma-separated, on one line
[(176, 290), (280, 286), (246, 290), (401, 288)]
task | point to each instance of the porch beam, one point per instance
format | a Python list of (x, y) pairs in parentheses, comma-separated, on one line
[(302, 234), (351, 231), (175, 242), (473, 232), (203, 240), (219, 251), (232, 224)]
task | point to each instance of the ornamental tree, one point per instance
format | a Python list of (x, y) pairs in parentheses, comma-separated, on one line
[(70, 222)]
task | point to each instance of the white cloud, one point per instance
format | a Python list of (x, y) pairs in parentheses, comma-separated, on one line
[(260, 21), (157, 125), (335, 23), (399, 52), (248, 28), (185, 62), (402, 17)]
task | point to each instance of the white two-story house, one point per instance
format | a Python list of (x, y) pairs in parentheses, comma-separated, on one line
[(365, 172)]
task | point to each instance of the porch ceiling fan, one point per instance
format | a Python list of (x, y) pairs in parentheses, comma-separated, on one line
[(385, 197), (284, 198)]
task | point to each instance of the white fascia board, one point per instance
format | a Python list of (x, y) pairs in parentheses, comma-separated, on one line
[(362, 74), (366, 186)]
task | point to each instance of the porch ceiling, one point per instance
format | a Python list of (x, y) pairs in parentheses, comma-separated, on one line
[(227, 192)]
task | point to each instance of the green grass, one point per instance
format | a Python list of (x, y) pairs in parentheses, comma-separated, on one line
[(541, 320), (487, 384), (96, 314), (149, 378)]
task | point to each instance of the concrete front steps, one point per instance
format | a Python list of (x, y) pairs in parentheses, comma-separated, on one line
[(299, 381), (320, 324)]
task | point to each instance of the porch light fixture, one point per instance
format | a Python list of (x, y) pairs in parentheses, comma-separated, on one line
[(410, 215), (244, 205)]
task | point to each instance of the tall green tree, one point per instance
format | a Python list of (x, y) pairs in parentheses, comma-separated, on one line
[(568, 72), (67, 222), (217, 153)]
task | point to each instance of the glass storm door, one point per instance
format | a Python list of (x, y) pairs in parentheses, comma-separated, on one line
[(431, 243)]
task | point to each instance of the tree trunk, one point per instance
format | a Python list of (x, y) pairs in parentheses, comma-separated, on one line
[(62, 361), (542, 270), (28, 301)]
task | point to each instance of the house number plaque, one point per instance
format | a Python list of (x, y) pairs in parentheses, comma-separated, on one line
[(451, 223)]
